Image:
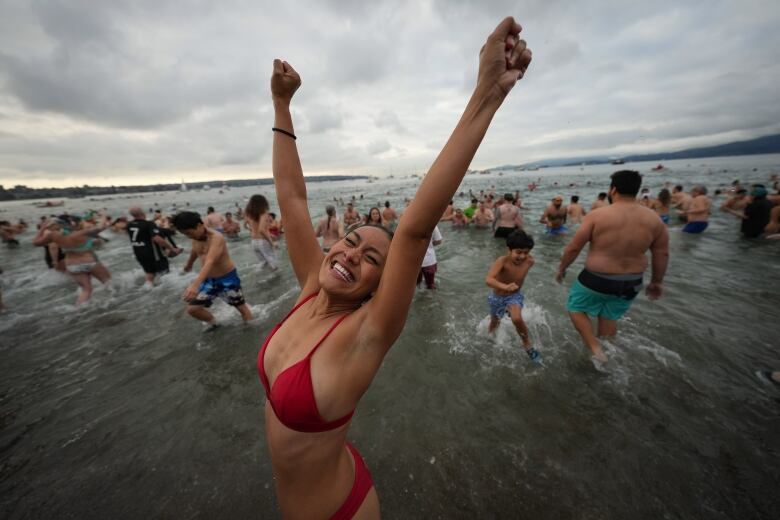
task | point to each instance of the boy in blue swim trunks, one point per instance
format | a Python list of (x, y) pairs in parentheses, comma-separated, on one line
[(506, 277), (217, 277)]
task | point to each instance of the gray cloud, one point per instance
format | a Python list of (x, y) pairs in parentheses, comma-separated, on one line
[(156, 90)]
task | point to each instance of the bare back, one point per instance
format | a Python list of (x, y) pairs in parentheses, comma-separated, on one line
[(620, 235)]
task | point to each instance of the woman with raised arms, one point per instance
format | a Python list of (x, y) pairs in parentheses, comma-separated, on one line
[(318, 362)]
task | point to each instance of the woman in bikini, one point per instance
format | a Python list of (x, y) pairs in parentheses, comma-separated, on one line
[(317, 363), (81, 262)]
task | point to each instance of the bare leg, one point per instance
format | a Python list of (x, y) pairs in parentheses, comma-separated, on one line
[(493, 324), (200, 313), (101, 273), (149, 279), (516, 314), (607, 328), (245, 312), (583, 325), (85, 282)]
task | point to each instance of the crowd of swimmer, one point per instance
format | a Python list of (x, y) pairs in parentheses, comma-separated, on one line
[(69, 241)]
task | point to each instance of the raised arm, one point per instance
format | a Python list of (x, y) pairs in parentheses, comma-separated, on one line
[(503, 61), (305, 253)]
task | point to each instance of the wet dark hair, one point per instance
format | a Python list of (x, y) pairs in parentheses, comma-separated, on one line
[(210, 209), (742, 191), (368, 216), (331, 212), (602, 196), (256, 207), (186, 220), (518, 239), (387, 203), (575, 199), (509, 197), (228, 214), (664, 197), (678, 187), (626, 182), (474, 201)]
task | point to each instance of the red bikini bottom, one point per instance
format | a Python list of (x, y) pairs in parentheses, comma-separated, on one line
[(360, 488)]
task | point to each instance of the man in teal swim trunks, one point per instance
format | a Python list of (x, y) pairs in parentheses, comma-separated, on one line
[(619, 236)]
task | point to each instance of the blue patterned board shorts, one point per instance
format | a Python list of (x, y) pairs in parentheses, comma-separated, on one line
[(498, 304), (227, 287)]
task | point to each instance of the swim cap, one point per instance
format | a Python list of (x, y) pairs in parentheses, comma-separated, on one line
[(759, 191)]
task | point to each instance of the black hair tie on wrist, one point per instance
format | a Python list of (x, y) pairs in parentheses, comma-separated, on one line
[(285, 132)]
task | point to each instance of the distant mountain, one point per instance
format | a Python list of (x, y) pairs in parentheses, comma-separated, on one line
[(760, 145)]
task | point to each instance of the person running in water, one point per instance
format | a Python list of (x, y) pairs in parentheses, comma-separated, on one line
[(506, 277), (318, 362), (77, 243), (619, 236), (148, 242), (217, 276), (258, 221)]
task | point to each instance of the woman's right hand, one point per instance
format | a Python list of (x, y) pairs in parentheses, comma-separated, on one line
[(284, 82)]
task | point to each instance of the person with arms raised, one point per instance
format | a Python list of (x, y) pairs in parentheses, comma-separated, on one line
[(317, 363)]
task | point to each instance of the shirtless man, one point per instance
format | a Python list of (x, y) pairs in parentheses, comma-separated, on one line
[(736, 202), (351, 216), (230, 227), (575, 211), (389, 216), (600, 202), (681, 201), (698, 211), (554, 217), (619, 236), (213, 219), (217, 277), (508, 218), (483, 217)]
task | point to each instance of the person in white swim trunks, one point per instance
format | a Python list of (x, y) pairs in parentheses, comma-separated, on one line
[(258, 222)]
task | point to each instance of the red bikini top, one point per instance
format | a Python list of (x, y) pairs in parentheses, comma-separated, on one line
[(292, 396)]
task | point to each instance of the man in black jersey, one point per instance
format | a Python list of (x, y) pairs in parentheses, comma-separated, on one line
[(149, 245)]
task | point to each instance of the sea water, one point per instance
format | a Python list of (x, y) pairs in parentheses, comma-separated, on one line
[(125, 408)]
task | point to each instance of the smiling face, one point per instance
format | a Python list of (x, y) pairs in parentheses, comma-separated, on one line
[(519, 255), (353, 266)]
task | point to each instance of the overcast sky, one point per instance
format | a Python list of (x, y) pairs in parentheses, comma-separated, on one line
[(148, 91)]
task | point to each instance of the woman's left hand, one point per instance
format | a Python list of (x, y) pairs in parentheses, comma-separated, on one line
[(503, 59)]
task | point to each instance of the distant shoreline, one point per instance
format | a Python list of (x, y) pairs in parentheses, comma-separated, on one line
[(25, 193)]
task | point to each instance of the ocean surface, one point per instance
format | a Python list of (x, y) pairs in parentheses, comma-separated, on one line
[(125, 408)]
